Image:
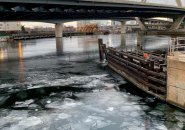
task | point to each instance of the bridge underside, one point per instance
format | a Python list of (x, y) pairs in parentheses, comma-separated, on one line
[(75, 10)]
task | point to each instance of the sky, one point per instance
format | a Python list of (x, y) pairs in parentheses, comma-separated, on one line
[(34, 24)]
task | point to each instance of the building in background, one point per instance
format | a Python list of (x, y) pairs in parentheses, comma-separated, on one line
[(95, 25), (10, 26), (106, 25), (88, 22)]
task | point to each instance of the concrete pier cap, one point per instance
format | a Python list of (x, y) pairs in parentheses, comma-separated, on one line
[(59, 30)]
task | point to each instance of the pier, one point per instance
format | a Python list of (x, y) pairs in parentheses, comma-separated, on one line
[(43, 35), (159, 74)]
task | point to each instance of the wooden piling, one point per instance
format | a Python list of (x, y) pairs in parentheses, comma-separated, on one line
[(100, 42)]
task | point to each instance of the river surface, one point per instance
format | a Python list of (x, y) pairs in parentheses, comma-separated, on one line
[(50, 84)]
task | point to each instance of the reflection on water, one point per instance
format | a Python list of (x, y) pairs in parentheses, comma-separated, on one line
[(59, 45), (50, 84), (155, 42), (25, 49), (20, 51)]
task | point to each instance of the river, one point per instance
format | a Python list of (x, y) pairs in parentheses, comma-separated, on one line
[(49, 84)]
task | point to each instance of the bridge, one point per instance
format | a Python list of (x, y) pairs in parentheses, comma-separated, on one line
[(57, 11)]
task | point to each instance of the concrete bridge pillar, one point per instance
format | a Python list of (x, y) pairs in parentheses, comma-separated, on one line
[(123, 27), (123, 42), (179, 3), (59, 30), (144, 1), (141, 24), (176, 24), (139, 41), (59, 46)]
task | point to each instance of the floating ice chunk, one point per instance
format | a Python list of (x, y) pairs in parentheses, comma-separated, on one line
[(180, 118), (24, 104), (109, 85), (127, 108), (64, 116), (161, 127), (96, 90), (110, 109), (132, 124), (135, 128), (55, 105), (156, 113), (78, 126), (52, 94), (48, 102), (65, 127), (71, 104), (99, 76), (33, 106), (96, 122), (29, 122), (15, 114), (180, 125), (36, 86), (136, 113), (94, 109), (68, 100), (144, 107), (96, 117), (27, 102), (6, 85), (179, 113)]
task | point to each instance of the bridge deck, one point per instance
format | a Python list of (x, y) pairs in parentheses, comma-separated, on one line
[(36, 10)]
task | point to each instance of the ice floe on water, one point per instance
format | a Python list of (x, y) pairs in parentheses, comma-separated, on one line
[(132, 124), (66, 104), (156, 113), (69, 103), (110, 109), (103, 108), (6, 85), (96, 122), (24, 104), (27, 123), (63, 116), (94, 109)]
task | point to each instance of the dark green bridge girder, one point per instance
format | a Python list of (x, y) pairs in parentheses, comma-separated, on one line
[(51, 10)]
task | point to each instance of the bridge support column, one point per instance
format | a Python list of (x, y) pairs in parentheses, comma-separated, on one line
[(59, 30), (59, 46), (141, 24), (123, 42), (179, 3), (139, 41), (177, 23), (123, 27)]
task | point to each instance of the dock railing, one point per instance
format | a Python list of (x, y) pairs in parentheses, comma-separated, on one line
[(177, 44)]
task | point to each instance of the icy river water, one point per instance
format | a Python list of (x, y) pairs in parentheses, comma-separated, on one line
[(52, 85)]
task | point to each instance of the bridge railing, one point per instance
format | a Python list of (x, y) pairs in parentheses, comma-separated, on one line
[(177, 44), (174, 3)]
